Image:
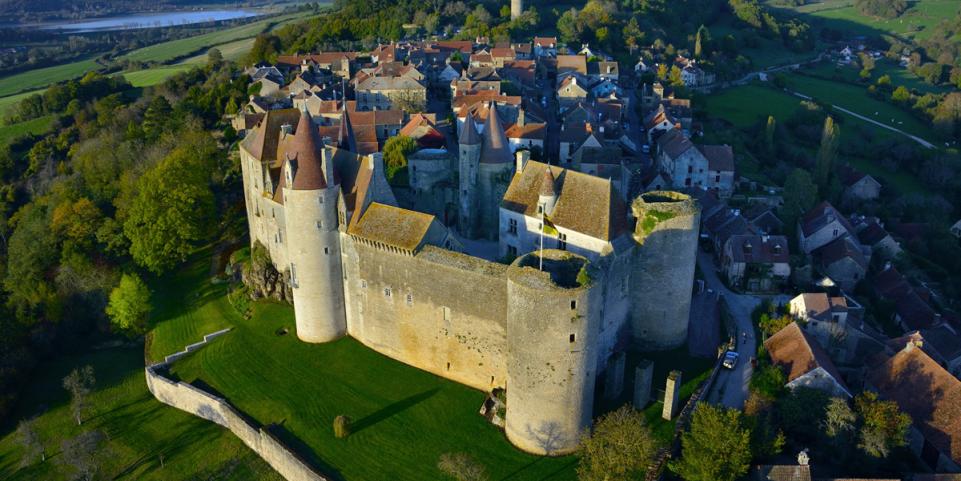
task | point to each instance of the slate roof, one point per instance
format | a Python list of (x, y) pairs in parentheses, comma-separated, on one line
[(495, 148), (468, 133), (820, 216), (719, 157), (752, 248), (927, 392), (674, 143), (838, 249), (797, 354), (585, 203), (262, 141)]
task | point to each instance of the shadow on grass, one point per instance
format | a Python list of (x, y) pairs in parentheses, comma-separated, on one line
[(303, 451), (390, 410), (523, 468)]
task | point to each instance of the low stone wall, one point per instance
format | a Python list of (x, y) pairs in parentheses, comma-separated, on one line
[(195, 401)]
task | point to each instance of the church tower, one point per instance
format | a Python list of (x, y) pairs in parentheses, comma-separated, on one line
[(470, 149), (310, 199)]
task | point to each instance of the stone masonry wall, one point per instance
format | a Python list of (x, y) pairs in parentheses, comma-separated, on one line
[(188, 398)]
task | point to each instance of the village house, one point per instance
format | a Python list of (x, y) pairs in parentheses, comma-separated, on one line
[(860, 186), (756, 263), (804, 361), (821, 225), (843, 261), (383, 93)]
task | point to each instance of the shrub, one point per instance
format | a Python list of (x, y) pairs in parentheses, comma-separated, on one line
[(341, 427), (461, 467)]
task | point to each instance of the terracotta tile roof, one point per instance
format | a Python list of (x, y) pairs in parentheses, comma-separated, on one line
[(393, 226), (464, 46), (424, 131), (820, 306), (928, 393), (305, 148), (585, 203), (527, 131), (545, 41), (484, 96), (576, 63), (389, 83), (788, 472), (797, 354), (262, 141)]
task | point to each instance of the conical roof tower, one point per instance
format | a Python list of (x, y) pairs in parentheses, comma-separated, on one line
[(496, 149), (468, 134), (305, 148)]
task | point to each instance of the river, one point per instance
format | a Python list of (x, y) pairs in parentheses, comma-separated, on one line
[(145, 20)]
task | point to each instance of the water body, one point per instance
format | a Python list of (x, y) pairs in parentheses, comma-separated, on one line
[(148, 20)]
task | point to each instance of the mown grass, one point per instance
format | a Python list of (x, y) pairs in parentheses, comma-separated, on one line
[(233, 51), (42, 77), (154, 76), (898, 74), (9, 101), (403, 418), (36, 127)]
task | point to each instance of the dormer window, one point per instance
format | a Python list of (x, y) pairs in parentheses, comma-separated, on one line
[(540, 208), (747, 248)]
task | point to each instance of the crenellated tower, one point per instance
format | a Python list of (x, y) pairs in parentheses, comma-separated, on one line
[(311, 189)]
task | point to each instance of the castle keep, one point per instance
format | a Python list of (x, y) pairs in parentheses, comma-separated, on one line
[(542, 327)]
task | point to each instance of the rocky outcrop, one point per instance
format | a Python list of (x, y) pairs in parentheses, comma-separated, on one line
[(262, 279)]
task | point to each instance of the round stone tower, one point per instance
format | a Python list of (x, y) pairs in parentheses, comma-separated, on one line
[(662, 276), (313, 241), (553, 316), (517, 8)]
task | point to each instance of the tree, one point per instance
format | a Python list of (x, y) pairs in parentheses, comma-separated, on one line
[(396, 150), (675, 77), (156, 117), (214, 56), (80, 384), (170, 210), (621, 446), (772, 323), (716, 448), (568, 27), (824, 168), (129, 304), (839, 419), (264, 49), (900, 95), (232, 108), (800, 195), (702, 42), (881, 8), (80, 453), (662, 71), (29, 440), (884, 427), (770, 128), (461, 467), (632, 34)]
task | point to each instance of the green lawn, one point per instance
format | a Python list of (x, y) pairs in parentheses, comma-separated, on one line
[(231, 51), (154, 76), (856, 99), (746, 105), (11, 100), (36, 126), (140, 429), (916, 22), (898, 74), (404, 418), (39, 78)]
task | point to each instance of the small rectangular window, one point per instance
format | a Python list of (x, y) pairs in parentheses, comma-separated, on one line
[(572, 339), (320, 225), (363, 284), (410, 300), (573, 304), (387, 292), (321, 199), (293, 274), (326, 251)]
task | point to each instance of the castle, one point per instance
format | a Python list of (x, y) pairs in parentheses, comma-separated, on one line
[(607, 274)]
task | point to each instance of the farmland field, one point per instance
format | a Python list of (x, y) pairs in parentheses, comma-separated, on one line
[(154, 76), (36, 126), (39, 78), (916, 22)]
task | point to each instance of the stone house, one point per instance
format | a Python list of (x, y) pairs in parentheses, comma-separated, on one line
[(945, 342), (823, 315), (763, 217), (931, 396), (545, 46), (524, 134), (911, 311), (568, 64), (804, 362), (573, 136), (659, 122), (821, 225), (871, 233), (694, 76), (570, 91), (707, 166), (539, 190), (843, 261), (383, 93), (720, 166), (756, 263), (603, 70)]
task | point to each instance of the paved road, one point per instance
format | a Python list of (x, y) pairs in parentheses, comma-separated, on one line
[(731, 388), (915, 138)]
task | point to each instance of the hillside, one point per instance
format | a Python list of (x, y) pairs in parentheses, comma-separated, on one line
[(83, 8)]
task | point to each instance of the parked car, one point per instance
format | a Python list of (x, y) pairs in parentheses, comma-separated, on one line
[(730, 359)]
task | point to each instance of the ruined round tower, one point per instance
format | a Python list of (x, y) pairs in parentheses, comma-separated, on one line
[(662, 274), (313, 241), (553, 316)]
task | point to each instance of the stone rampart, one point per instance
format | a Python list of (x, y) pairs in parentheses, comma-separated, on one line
[(202, 404)]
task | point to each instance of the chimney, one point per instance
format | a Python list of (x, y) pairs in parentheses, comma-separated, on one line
[(764, 239), (286, 130), (802, 458), (521, 157), (887, 265), (521, 118)]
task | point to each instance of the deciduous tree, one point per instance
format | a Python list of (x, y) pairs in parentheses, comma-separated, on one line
[(80, 384), (461, 467), (716, 448), (619, 447), (884, 427), (29, 440), (129, 304)]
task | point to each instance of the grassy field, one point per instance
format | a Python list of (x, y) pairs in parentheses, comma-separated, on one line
[(11, 100), (36, 126), (39, 78), (233, 51), (154, 76), (916, 22), (898, 74), (167, 51), (404, 418), (856, 99)]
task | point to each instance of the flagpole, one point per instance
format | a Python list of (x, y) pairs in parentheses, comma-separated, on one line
[(541, 266)]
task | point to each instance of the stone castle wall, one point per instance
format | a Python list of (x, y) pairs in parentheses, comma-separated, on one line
[(444, 313), (202, 404)]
